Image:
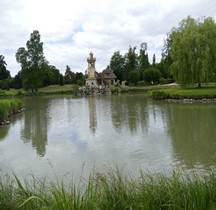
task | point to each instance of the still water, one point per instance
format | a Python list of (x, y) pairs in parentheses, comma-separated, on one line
[(67, 135)]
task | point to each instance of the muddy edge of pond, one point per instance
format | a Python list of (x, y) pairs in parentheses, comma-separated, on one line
[(6, 121)]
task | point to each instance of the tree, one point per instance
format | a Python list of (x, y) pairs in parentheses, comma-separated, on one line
[(61, 80), (143, 59), (117, 65), (131, 61), (31, 60), (192, 49), (153, 60), (79, 78), (4, 73), (16, 81), (152, 75), (134, 77), (51, 75), (69, 76)]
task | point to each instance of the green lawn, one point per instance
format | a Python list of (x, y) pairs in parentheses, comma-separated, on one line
[(52, 89), (174, 90), (208, 90), (205, 92)]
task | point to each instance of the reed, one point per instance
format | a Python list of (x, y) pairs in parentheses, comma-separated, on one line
[(112, 190), (9, 107)]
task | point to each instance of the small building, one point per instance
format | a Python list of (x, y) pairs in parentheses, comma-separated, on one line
[(107, 77)]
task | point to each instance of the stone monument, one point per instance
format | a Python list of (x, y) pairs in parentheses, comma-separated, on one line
[(91, 80), (92, 87)]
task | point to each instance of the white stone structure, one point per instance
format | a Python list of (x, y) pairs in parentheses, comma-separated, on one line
[(91, 80)]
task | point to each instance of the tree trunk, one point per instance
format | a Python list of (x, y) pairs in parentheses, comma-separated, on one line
[(199, 84)]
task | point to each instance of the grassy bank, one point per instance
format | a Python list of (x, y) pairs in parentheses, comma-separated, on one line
[(9, 107), (207, 92), (172, 91), (112, 190), (49, 90)]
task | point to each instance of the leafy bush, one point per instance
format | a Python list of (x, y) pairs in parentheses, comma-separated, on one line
[(166, 81), (19, 93), (152, 75), (159, 94), (134, 77), (141, 83)]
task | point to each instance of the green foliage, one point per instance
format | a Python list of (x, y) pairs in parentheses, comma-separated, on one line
[(134, 77), (69, 77), (117, 65), (159, 94), (153, 60), (4, 73), (5, 84), (2, 93), (164, 81), (19, 93), (112, 190), (192, 49), (8, 107), (152, 75), (51, 75), (32, 61), (207, 92), (131, 61), (16, 82), (61, 80), (143, 61)]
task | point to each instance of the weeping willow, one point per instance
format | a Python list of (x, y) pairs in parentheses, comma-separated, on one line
[(193, 50)]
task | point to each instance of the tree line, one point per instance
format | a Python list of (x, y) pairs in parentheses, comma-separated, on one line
[(188, 57), (135, 68), (35, 70)]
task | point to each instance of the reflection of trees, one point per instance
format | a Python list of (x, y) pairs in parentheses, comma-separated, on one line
[(192, 133), (92, 113), (4, 129), (130, 111), (35, 124)]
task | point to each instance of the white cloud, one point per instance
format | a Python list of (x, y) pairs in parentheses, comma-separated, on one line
[(71, 29)]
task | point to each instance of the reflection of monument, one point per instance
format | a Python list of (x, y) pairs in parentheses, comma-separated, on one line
[(92, 114), (91, 80)]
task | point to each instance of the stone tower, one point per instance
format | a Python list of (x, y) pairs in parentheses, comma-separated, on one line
[(91, 80)]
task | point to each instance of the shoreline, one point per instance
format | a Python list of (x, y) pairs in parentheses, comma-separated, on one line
[(9, 107)]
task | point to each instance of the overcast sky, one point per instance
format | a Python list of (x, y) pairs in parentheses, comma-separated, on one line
[(70, 29)]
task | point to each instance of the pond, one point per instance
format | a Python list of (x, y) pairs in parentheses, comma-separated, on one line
[(56, 136)]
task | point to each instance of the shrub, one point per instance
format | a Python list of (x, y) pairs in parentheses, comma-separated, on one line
[(152, 75), (19, 93), (134, 77), (159, 94), (166, 81)]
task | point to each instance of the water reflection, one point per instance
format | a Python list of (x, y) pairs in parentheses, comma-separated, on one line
[(129, 130), (35, 124), (131, 112), (4, 129), (191, 127), (92, 113)]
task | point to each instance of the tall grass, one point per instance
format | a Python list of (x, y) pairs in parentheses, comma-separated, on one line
[(112, 190), (9, 107)]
